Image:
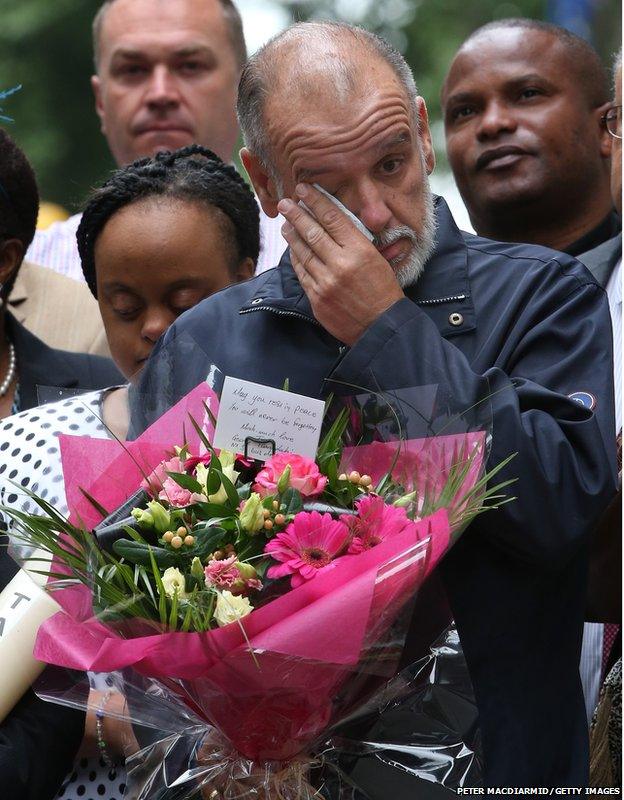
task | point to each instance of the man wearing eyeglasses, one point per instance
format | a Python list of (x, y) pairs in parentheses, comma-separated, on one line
[(523, 107), (605, 582)]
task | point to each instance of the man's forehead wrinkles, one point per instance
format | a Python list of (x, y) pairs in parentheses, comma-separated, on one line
[(386, 114), (326, 144), (320, 134), (371, 111), (305, 158)]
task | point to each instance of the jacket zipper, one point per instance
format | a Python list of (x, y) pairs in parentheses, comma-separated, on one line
[(341, 348), (437, 301), (280, 313)]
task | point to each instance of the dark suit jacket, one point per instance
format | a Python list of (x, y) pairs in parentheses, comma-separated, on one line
[(602, 259), (38, 740), (605, 568), (42, 366)]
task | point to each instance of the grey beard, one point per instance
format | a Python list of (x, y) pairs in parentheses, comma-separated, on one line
[(411, 266)]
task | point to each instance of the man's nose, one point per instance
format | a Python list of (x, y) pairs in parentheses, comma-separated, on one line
[(162, 90), (496, 118), (155, 323), (372, 207)]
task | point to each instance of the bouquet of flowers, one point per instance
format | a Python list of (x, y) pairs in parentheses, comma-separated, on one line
[(248, 608)]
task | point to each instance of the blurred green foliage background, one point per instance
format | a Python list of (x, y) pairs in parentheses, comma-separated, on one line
[(46, 46)]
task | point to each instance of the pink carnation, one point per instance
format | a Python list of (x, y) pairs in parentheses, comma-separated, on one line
[(308, 544), (304, 475), (223, 574), (375, 521), (177, 496), (156, 479)]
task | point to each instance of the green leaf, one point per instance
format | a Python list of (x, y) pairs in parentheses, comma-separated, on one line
[(143, 554), (244, 491), (211, 510), (213, 481), (173, 614), (186, 482), (231, 492), (205, 543), (211, 417), (292, 500), (96, 505), (162, 597)]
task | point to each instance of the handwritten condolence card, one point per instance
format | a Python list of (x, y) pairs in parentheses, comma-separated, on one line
[(258, 420)]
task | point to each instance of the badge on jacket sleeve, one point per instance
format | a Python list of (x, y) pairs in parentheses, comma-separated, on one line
[(584, 399)]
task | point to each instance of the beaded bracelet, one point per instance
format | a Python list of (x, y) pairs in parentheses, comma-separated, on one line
[(99, 731)]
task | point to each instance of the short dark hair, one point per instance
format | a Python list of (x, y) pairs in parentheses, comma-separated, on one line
[(192, 174), (19, 197), (591, 72), (232, 19)]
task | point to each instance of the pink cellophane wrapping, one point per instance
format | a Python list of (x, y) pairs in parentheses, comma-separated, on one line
[(267, 684), (110, 472), (421, 464), (305, 643)]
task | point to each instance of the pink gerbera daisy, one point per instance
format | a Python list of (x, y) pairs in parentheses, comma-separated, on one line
[(374, 522), (308, 544)]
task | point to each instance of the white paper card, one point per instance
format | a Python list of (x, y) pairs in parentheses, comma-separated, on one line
[(249, 411)]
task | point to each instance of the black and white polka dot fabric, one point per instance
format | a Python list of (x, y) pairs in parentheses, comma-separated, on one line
[(30, 459), (29, 449)]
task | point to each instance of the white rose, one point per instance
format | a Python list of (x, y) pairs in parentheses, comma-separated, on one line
[(173, 583), (231, 607)]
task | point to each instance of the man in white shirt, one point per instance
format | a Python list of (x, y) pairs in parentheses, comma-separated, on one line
[(605, 263), (166, 76)]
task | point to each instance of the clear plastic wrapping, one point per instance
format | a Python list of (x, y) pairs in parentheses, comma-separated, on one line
[(351, 685)]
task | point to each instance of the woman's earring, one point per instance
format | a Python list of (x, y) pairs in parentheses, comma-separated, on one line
[(1, 298)]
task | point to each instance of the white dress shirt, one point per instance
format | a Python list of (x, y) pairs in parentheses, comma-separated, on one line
[(614, 294), (593, 632)]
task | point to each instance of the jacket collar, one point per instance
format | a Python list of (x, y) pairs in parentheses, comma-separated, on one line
[(37, 364), (602, 259), (444, 284)]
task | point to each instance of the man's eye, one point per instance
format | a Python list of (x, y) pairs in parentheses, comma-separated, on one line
[(391, 166), (527, 94), (461, 112), (132, 69), (191, 67)]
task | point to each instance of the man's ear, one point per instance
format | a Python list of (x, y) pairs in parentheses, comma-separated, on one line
[(245, 269), (425, 135), (606, 140), (262, 182), (11, 256), (96, 85)]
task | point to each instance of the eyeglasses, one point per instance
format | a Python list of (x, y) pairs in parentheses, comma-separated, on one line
[(613, 121)]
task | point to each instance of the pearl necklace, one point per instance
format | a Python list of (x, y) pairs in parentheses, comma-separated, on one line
[(8, 378)]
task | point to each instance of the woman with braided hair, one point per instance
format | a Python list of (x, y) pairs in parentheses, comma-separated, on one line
[(158, 237), (155, 239)]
